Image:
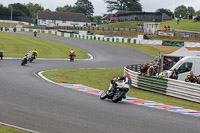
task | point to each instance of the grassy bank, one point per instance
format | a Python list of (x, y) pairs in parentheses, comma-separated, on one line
[(100, 78), (117, 33), (184, 24), (7, 24), (17, 46), (177, 38), (188, 25), (4, 129)]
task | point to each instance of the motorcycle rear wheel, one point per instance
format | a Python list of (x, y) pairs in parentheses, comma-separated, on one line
[(118, 96), (31, 60)]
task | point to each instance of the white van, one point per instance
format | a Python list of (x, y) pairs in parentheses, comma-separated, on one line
[(185, 65)]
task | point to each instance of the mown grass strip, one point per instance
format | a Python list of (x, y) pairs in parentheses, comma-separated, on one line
[(5, 129), (17, 46), (7, 24), (100, 78), (184, 24)]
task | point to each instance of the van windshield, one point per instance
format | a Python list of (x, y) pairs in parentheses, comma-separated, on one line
[(186, 67), (176, 65)]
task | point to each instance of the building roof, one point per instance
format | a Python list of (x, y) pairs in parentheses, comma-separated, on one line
[(107, 17), (166, 17), (126, 13), (63, 16)]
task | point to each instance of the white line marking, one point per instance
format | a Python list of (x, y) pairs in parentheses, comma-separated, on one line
[(19, 128), (41, 76)]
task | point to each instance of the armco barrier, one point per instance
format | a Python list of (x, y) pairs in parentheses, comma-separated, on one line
[(184, 90), (153, 84), (170, 87)]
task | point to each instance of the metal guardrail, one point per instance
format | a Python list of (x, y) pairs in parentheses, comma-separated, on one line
[(184, 90), (170, 87)]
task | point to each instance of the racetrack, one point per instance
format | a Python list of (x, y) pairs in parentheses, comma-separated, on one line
[(30, 102)]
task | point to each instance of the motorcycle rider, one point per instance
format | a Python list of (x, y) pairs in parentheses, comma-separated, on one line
[(72, 53), (34, 52), (29, 54), (126, 81), (14, 29), (35, 33)]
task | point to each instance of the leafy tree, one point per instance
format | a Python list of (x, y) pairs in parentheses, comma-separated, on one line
[(181, 12), (34, 8), (4, 10), (191, 11), (67, 8), (7, 11), (133, 5), (96, 19), (21, 9), (85, 7), (129, 5), (197, 13), (47, 10)]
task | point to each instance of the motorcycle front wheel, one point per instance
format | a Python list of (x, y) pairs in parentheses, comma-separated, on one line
[(23, 62), (103, 95)]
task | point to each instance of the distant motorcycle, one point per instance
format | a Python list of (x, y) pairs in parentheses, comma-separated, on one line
[(116, 91), (71, 57), (35, 33), (24, 61), (33, 57), (14, 29)]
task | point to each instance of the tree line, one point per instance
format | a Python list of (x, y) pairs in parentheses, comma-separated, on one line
[(24, 10), (86, 7)]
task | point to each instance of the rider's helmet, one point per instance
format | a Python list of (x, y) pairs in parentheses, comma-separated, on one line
[(127, 75)]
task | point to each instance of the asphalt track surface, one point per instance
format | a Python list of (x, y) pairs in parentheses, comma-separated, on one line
[(30, 102)]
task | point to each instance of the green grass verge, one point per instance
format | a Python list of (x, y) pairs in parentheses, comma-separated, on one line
[(17, 46), (8, 24), (100, 78), (117, 33), (129, 24), (184, 24), (188, 25), (4, 129), (178, 38)]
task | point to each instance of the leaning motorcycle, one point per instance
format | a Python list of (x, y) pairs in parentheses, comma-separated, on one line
[(116, 92), (33, 57), (24, 61)]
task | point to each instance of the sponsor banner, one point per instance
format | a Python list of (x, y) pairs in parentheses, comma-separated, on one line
[(162, 33), (173, 43)]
